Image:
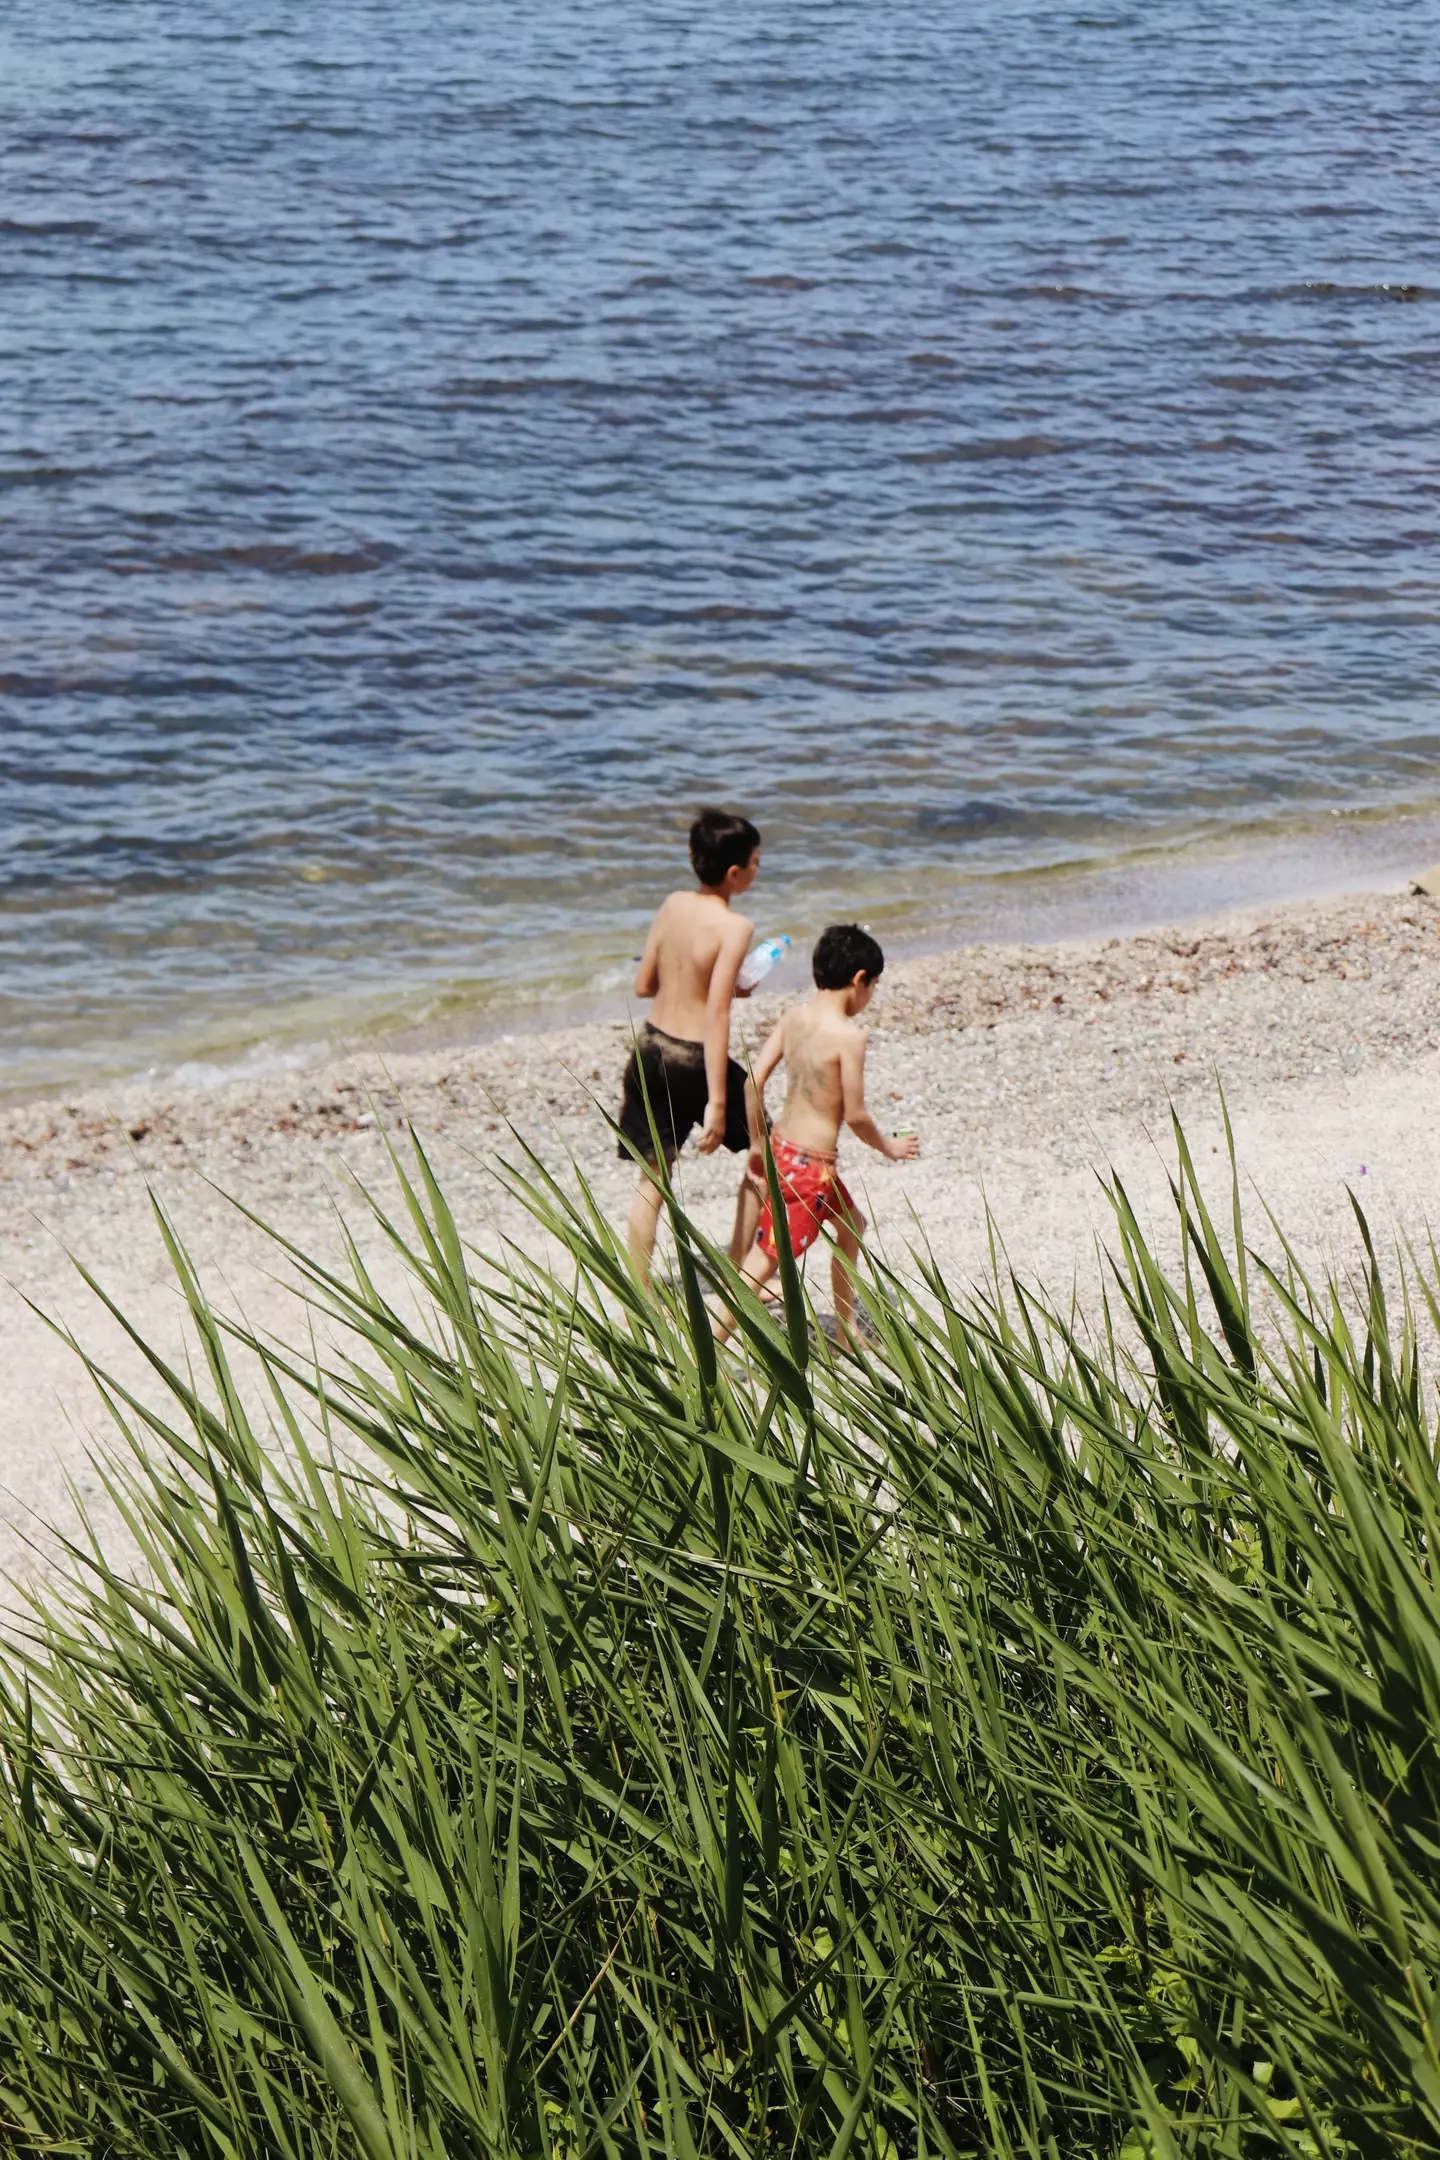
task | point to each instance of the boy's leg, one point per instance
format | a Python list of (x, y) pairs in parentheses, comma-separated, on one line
[(750, 1200), (756, 1269), (849, 1230), (748, 1203), (644, 1220)]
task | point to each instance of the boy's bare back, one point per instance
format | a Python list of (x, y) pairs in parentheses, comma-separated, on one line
[(824, 1056), (693, 933)]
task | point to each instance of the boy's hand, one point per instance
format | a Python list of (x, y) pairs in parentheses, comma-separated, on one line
[(903, 1147), (714, 1128)]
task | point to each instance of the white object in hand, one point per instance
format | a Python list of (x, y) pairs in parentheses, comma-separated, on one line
[(758, 965)]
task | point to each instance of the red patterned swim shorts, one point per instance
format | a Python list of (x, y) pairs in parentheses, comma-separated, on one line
[(813, 1194)]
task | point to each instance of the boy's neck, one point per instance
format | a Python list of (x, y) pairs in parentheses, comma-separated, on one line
[(838, 1002), (714, 892)]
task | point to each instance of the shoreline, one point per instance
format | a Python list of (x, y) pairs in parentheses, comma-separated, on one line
[(1143, 891), (958, 987), (1023, 1067)]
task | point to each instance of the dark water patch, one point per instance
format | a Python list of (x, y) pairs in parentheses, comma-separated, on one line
[(50, 229), (1015, 448), (971, 820), (277, 557), (983, 820)]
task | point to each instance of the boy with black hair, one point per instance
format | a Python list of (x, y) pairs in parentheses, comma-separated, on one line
[(824, 1056), (681, 1073)]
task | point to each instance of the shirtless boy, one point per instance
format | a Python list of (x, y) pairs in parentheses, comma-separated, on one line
[(824, 1056), (681, 1061)]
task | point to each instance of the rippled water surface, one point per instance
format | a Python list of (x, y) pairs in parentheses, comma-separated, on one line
[(442, 446)]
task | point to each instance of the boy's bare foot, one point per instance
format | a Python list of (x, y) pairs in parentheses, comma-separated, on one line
[(851, 1336)]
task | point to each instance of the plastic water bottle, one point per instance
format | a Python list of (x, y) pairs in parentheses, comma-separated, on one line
[(759, 963)]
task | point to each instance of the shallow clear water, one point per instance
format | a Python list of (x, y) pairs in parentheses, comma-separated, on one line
[(442, 447)]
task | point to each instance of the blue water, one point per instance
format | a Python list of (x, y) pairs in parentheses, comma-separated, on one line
[(441, 446)]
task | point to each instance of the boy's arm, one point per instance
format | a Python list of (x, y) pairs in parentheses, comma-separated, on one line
[(857, 1117), (734, 946), (764, 1065), (647, 972)]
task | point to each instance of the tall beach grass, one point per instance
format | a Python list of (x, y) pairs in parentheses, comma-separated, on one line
[(535, 1735)]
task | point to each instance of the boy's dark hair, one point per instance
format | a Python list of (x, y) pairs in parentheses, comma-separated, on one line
[(841, 953), (721, 841)]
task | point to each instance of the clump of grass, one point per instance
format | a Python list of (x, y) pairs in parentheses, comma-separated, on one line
[(542, 1738)]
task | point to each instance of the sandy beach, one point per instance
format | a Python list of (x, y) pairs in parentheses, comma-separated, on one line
[(1024, 1068)]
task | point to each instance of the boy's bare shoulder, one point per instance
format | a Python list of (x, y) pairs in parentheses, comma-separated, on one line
[(697, 907), (845, 1034), (844, 1044), (816, 1032)]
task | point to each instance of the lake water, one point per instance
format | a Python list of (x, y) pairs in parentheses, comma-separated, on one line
[(441, 447)]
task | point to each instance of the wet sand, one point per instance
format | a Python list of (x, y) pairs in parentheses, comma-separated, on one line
[(1024, 1068)]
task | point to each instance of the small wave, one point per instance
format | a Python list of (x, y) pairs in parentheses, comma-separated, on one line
[(1006, 447), (455, 396), (890, 415), (267, 1061), (988, 817), (978, 818), (1249, 382), (112, 685), (18, 476), (276, 556), (1336, 289), (49, 228)]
